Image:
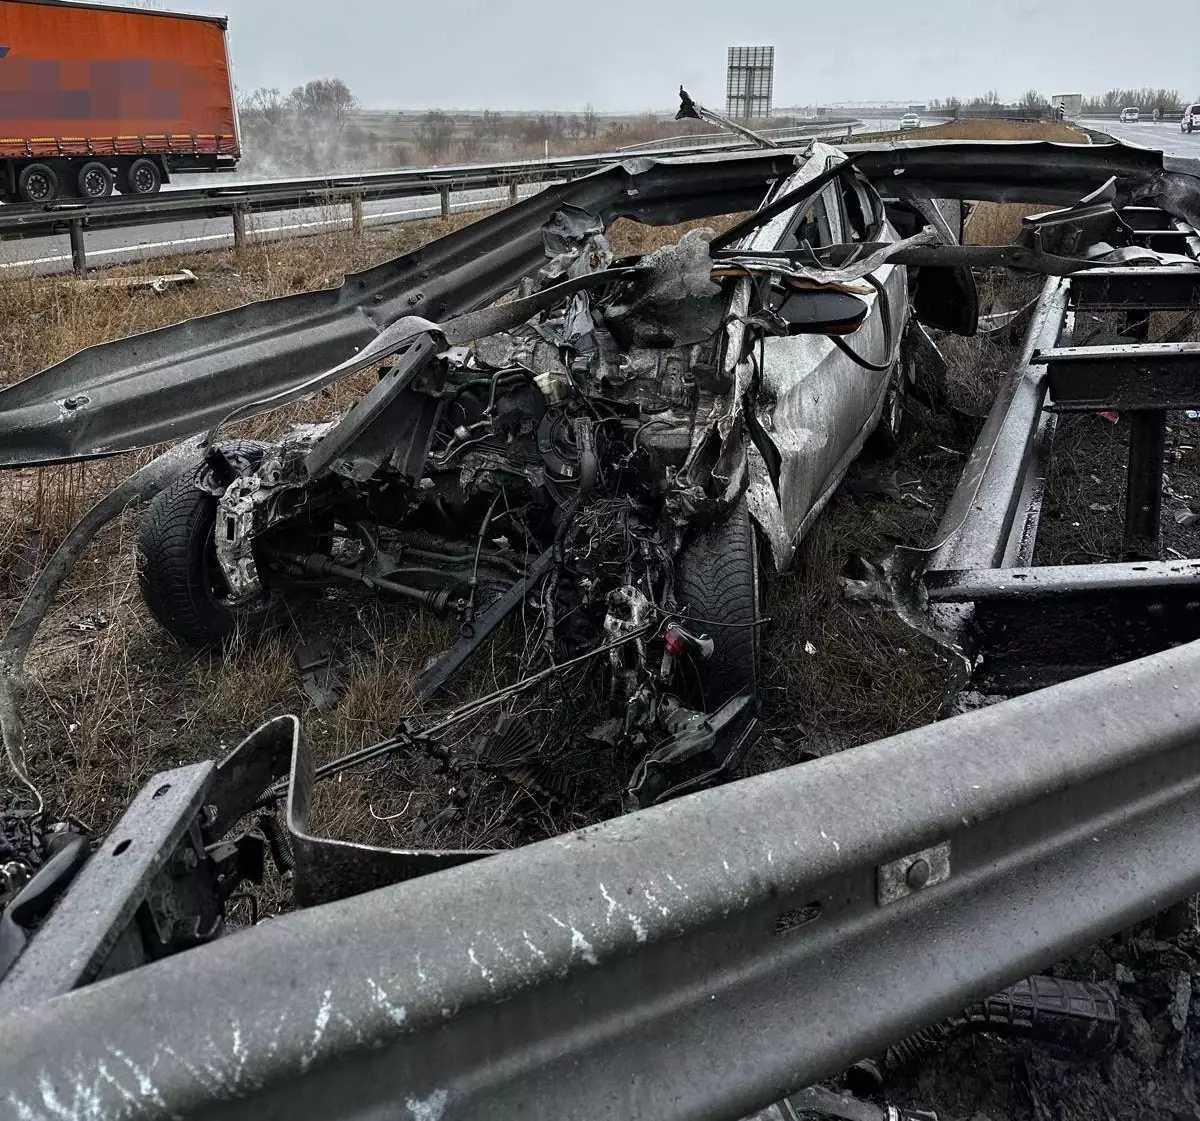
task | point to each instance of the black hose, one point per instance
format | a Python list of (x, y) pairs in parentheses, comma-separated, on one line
[(889, 334)]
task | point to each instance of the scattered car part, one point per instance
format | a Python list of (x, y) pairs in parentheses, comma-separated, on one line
[(1077, 1019), (178, 571)]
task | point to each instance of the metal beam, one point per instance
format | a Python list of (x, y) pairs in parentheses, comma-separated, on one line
[(1165, 288), (1123, 377), (983, 511), (88, 926), (1048, 581), (697, 960)]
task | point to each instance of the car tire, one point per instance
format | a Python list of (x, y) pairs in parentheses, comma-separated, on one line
[(180, 579), (37, 183), (717, 581), (94, 181), (142, 177)]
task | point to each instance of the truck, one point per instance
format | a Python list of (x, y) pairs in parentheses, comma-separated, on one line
[(1072, 103), (96, 98)]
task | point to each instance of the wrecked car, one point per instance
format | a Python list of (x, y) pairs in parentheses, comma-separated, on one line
[(607, 441), (610, 444)]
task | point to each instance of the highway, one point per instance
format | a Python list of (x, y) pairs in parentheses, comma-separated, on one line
[(51, 255), (1164, 136), (48, 255)]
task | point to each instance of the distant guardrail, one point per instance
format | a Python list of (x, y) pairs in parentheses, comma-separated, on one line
[(238, 200), (832, 126)]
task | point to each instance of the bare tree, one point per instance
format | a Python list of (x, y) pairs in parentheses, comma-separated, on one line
[(328, 99), (1032, 99), (268, 104), (589, 121), (434, 133)]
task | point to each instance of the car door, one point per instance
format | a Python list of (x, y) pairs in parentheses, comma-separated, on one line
[(816, 404)]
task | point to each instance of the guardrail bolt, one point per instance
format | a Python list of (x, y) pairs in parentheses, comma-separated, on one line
[(917, 875)]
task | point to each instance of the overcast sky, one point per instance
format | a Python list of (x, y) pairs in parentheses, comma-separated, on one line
[(633, 54)]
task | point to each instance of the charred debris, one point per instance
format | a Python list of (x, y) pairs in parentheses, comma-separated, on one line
[(612, 447)]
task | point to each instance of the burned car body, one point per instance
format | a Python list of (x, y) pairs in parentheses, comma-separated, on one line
[(629, 908), (599, 443)]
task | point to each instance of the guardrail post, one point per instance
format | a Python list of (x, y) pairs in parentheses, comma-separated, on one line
[(512, 192), (239, 228), (445, 193), (78, 252), (356, 215)]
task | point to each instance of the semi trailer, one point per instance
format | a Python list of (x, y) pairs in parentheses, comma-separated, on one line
[(96, 98)]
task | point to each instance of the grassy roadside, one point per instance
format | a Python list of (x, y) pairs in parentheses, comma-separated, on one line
[(112, 700)]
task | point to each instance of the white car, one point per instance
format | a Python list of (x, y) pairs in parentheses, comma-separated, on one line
[(908, 121), (1130, 115), (1190, 121)]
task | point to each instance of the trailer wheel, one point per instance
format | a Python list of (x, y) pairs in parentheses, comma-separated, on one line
[(94, 181), (37, 183), (142, 177), (180, 578)]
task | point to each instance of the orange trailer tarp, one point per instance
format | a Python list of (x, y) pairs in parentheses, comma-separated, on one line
[(77, 79)]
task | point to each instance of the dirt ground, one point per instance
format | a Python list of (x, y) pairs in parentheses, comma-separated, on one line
[(111, 700)]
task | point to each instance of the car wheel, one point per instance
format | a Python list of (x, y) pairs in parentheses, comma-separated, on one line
[(94, 181), (142, 177), (717, 582), (37, 183), (180, 579)]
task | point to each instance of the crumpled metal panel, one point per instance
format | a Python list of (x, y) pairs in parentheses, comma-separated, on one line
[(168, 383)]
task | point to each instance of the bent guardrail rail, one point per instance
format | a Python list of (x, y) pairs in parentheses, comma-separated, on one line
[(697, 960), (169, 383)]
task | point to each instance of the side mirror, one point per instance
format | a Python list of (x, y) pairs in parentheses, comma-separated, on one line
[(823, 311)]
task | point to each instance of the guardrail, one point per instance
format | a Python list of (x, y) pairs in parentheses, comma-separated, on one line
[(237, 201), (834, 126), (697, 960)]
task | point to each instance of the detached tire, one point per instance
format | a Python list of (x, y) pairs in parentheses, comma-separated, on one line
[(717, 580), (180, 579)]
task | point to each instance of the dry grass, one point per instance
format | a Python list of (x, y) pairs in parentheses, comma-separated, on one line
[(997, 223), (980, 129), (112, 700)]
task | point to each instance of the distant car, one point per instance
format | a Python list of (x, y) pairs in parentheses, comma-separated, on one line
[(1130, 115), (1190, 119), (909, 120)]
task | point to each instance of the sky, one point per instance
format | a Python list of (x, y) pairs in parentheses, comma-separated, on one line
[(631, 55)]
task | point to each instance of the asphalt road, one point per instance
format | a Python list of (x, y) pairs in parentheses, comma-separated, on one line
[(1164, 136), (107, 247), (47, 255)]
